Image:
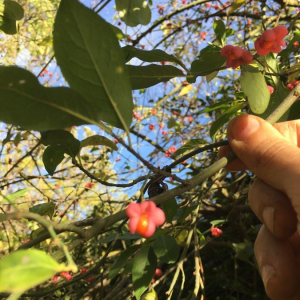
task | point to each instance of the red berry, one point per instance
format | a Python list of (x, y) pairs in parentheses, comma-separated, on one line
[(216, 231), (160, 126), (172, 149), (271, 89), (142, 225), (289, 86), (88, 185), (151, 126), (90, 279), (55, 278), (208, 5), (154, 111), (118, 159), (83, 270), (190, 119), (116, 141), (168, 153), (66, 275), (158, 273)]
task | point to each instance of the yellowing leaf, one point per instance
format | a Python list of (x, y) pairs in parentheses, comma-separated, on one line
[(185, 90), (236, 5), (295, 75)]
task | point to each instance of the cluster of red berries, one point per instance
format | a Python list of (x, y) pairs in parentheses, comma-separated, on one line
[(236, 56), (169, 152), (271, 40), (45, 72), (137, 116), (161, 9), (292, 85), (66, 275), (216, 232), (203, 35), (158, 273)]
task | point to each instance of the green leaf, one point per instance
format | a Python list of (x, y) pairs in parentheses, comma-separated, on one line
[(224, 118), (97, 140), (11, 10), (243, 251), (44, 209), (143, 270), (220, 31), (150, 56), (215, 106), (190, 145), (270, 63), (60, 142), (52, 157), (210, 59), (47, 41), (217, 222), (24, 269), (279, 94), (166, 249), (8, 26), (121, 260), (17, 139), (254, 86), (146, 76), (172, 123), (211, 76), (294, 111), (186, 212), (235, 5), (134, 12), (170, 209), (290, 48), (63, 139), (117, 31), (229, 32), (39, 108), (97, 68), (12, 197)]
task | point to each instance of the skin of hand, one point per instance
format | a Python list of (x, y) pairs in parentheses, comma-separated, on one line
[(273, 154)]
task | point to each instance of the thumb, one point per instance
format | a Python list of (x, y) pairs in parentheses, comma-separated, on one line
[(267, 153)]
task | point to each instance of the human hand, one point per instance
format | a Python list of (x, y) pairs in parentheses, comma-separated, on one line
[(273, 154)]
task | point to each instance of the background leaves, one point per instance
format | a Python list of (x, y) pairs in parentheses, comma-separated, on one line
[(107, 87)]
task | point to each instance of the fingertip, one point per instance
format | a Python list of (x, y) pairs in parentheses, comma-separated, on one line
[(278, 265)]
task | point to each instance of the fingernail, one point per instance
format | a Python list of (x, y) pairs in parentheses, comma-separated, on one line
[(268, 217), (244, 126), (267, 271)]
